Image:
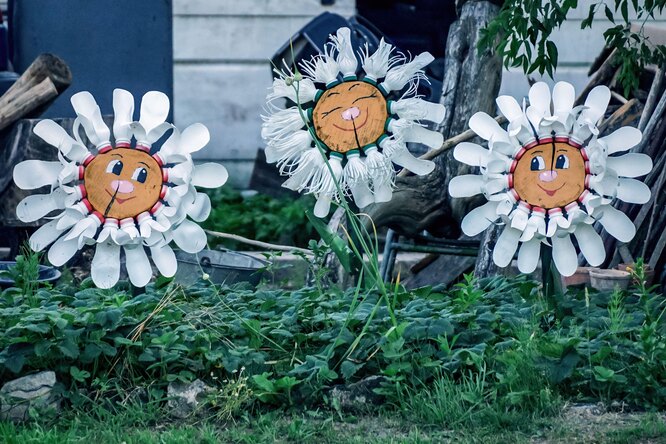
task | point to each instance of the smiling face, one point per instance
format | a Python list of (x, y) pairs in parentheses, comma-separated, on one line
[(550, 175), (350, 116), (123, 183)]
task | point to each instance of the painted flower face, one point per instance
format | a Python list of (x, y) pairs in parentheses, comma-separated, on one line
[(362, 134), (123, 183), (120, 198), (350, 116), (550, 175)]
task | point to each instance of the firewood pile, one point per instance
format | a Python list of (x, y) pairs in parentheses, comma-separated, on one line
[(34, 91)]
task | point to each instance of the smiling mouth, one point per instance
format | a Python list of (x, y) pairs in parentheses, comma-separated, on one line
[(118, 199), (352, 129), (551, 193)]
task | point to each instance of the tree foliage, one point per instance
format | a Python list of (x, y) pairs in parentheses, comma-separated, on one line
[(521, 34)]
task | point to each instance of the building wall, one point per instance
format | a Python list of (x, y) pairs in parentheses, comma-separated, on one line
[(221, 66), (221, 69)]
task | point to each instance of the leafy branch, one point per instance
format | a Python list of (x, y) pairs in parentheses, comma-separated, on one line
[(521, 34)]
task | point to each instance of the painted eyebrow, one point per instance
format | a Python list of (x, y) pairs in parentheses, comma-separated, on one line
[(333, 93), (145, 164), (353, 86), (562, 150), (116, 154), (537, 152)]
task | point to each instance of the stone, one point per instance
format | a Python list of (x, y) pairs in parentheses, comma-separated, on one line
[(359, 396), (185, 398), (18, 396)]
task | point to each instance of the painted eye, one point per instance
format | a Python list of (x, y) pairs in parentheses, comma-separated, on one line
[(140, 175), (115, 166), (562, 162), (538, 164)]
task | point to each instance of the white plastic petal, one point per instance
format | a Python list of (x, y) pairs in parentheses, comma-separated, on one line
[(564, 255), (137, 265), (564, 97), (322, 206), (90, 116), (591, 244), (200, 208), (36, 206), (31, 174), (62, 251), (466, 185), (622, 139), (123, 111), (528, 255), (616, 223), (596, 103), (407, 160), (55, 135), (539, 95), (471, 154), (633, 191), (509, 108), (479, 218), (362, 194), (105, 266), (45, 235), (165, 259), (630, 165), (506, 246), (209, 175), (486, 127), (194, 137), (154, 110), (190, 237)]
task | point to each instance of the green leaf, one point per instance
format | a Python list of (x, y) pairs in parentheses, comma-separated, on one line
[(79, 375), (335, 242)]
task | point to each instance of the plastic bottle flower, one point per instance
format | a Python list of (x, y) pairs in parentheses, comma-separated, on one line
[(350, 116), (122, 197), (549, 175)]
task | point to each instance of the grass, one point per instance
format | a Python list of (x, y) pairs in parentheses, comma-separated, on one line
[(135, 424)]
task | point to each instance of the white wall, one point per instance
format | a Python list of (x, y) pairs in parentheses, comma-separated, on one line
[(221, 64)]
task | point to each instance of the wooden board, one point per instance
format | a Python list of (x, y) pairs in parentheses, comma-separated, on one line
[(121, 194), (550, 175), (350, 116)]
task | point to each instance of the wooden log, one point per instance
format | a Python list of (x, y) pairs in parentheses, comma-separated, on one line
[(471, 83), (603, 75), (28, 100), (42, 82)]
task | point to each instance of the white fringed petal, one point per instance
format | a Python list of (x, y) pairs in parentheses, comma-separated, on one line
[(323, 68), (346, 58), (209, 175), (630, 165), (377, 64), (32, 174), (137, 265), (528, 255), (398, 76), (591, 244), (621, 139), (506, 246), (306, 90), (564, 255), (418, 109), (105, 266), (289, 147), (480, 218), (190, 237)]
